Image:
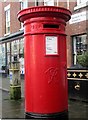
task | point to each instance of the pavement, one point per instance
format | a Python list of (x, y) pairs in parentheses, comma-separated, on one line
[(5, 84), (14, 109)]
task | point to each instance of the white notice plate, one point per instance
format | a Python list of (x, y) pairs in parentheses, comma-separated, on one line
[(51, 45)]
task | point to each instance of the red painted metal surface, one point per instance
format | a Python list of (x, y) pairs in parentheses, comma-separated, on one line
[(45, 74)]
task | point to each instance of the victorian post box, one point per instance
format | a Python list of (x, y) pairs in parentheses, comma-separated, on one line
[(46, 94)]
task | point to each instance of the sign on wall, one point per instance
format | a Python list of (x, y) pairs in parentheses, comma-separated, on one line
[(79, 17)]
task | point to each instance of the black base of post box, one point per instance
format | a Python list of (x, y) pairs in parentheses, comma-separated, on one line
[(58, 116)]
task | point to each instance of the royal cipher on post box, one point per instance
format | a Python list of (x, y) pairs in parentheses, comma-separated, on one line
[(46, 94)]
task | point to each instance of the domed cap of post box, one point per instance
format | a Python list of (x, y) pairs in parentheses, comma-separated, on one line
[(44, 11)]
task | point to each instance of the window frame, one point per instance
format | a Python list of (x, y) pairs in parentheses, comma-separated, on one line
[(7, 20), (81, 4), (47, 3), (25, 5), (81, 42), (81, 1)]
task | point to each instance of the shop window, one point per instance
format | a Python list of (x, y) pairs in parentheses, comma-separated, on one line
[(17, 49), (21, 48), (2, 57), (8, 52), (14, 49), (80, 46), (21, 55), (7, 19)]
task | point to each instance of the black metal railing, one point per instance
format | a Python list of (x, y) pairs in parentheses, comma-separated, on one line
[(78, 83)]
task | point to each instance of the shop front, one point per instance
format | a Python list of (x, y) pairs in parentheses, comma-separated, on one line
[(9, 47)]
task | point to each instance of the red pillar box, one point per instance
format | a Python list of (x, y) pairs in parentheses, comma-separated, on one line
[(46, 94)]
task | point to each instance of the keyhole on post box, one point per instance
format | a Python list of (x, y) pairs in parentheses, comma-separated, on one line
[(50, 26)]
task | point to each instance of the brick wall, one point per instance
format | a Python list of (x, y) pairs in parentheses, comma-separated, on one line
[(15, 24), (0, 19)]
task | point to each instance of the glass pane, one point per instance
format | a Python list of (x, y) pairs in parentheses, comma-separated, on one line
[(8, 15), (15, 49), (8, 53), (8, 21), (8, 47), (24, 4), (2, 56), (21, 56), (49, 2), (21, 45), (80, 45)]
